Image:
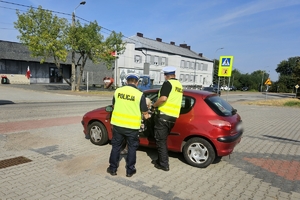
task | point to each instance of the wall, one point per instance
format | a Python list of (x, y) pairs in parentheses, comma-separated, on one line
[(17, 79)]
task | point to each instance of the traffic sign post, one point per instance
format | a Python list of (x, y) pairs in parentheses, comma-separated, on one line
[(268, 83), (296, 86), (225, 68)]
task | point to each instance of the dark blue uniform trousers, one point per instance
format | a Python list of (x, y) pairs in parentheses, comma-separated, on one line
[(119, 135), (162, 129)]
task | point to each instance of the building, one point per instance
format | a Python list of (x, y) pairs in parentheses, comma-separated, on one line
[(142, 55), (15, 59), (148, 57)]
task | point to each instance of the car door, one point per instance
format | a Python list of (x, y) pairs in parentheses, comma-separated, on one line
[(147, 135)]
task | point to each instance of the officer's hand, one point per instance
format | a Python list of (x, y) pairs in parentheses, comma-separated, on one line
[(153, 108)]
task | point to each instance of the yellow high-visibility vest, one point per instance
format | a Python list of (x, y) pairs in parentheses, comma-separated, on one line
[(173, 104), (127, 111)]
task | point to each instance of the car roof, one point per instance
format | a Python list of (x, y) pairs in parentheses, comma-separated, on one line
[(189, 92)]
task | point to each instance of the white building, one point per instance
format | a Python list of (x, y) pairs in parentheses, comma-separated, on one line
[(148, 56)]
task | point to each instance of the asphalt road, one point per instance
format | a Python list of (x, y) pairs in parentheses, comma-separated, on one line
[(62, 164)]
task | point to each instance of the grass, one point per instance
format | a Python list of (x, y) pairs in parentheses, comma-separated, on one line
[(288, 102)]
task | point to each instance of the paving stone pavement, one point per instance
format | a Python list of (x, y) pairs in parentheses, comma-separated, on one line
[(65, 165)]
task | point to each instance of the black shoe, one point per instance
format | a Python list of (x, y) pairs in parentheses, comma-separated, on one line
[(154, 162), (113, 173), (161, 167), (130, 175)]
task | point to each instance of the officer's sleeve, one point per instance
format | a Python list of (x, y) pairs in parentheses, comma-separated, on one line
[(143, 105), (113, 100), (165, 89)]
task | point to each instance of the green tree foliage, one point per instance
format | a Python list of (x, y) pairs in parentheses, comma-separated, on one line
[(90, 44), (216, 70), (289, 74), (48, 36), (43, 34)]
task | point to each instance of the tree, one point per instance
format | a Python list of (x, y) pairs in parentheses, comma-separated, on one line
[(90, 44), (289, 73), (44, 35), (51, 37)]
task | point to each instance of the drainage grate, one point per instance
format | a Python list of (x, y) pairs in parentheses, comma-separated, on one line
[(13, 161)]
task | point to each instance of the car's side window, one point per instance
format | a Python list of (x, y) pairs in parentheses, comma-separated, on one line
[(186, 104), (152, 96)]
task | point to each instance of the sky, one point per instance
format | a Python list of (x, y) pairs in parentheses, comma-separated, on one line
[(258, 33)]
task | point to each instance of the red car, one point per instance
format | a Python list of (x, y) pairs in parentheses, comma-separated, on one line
[(208, 127)]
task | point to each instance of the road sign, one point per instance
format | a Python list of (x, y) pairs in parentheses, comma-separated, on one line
[(268, 82), (225, 66), (297, 86)]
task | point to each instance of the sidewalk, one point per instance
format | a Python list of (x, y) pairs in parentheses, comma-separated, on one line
[(55, 161)]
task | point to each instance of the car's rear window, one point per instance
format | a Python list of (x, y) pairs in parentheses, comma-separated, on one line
[(220, 106)]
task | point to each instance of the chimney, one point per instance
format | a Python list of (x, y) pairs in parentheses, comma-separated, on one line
[(188, 47), (139, 34), (183, 45), (158, 39), (172, 43), (200, 54)]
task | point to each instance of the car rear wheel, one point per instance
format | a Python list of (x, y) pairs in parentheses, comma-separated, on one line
[(198, 152), (98, 133)]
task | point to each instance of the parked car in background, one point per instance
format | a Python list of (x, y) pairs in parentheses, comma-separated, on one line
[(224, 87), (245, 89), (208, 127), (232, 88), (212, 89)]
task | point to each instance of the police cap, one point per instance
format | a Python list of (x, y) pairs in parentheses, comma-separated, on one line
[(169, 70), (132, 75)]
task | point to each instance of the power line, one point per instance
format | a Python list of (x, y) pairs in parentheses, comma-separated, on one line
[(62, 13)]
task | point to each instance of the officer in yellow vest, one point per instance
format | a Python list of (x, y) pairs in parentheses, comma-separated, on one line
[(167, 109), (129, 106)]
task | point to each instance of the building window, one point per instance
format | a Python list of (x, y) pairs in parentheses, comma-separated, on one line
[(192, 78), (197, 66), (181, 77), (203, 80), (155, 60), (192, 65), (163, 61), (186, 78), (205, 66), (182, 64), (187, 64), (201, 67), (137, 59)]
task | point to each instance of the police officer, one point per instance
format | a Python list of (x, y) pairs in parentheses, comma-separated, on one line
[(167, 109), (129, 107)]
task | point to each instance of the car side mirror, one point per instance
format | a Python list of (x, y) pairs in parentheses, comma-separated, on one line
[(108, 108)]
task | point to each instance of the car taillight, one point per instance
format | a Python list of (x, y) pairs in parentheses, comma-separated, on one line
[(221, 124)]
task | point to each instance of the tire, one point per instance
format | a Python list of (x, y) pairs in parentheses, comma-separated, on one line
[(198, 152), (98, 133)]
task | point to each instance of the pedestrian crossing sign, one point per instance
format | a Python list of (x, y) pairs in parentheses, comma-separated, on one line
[(225, 66)]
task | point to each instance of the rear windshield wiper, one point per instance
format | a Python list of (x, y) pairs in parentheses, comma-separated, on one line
[(233, 112)]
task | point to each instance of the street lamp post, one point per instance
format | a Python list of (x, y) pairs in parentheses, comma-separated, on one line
[(262, 79), (212, 80), (73, 51)]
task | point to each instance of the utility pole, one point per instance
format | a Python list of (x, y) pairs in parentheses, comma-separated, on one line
[(73, 72), (212, 79)]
